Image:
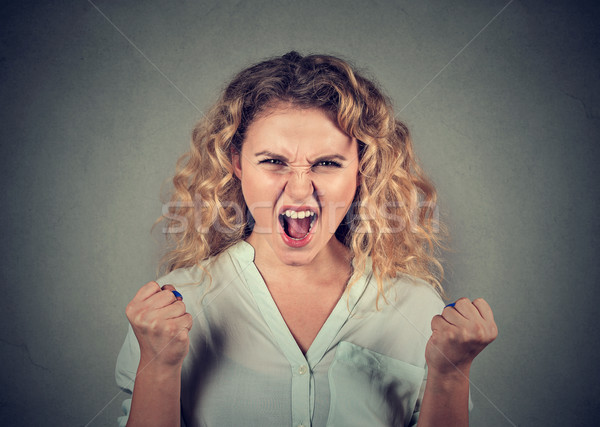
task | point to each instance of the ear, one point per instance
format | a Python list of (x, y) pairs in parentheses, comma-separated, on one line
[(236, 162)]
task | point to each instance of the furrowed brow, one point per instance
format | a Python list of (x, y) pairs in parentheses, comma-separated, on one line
[(270, 154), (322, 158)]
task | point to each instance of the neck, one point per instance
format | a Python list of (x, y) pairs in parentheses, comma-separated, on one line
[(332, 265)]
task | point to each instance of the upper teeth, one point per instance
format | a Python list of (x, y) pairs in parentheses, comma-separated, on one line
[(300, 215)]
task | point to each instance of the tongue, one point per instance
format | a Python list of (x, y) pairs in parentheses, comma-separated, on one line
[(298, 228)]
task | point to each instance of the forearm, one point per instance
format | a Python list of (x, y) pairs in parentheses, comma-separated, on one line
[(446, 400), (156, 396)]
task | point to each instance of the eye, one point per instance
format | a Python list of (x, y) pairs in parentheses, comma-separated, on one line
[(328, 163), (270, 162)]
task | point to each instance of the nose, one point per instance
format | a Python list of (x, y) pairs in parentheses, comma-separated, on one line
[(299, 186)]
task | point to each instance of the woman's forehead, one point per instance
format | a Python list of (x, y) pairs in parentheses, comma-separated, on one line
[(291, 130)]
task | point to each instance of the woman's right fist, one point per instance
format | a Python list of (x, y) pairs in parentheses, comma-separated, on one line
[(160, 323)]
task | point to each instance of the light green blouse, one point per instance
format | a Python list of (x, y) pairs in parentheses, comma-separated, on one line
[(244, 368)]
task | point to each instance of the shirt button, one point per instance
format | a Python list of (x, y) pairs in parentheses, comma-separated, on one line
[(302, 370)]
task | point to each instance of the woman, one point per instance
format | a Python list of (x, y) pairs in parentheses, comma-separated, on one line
[(304, 236)]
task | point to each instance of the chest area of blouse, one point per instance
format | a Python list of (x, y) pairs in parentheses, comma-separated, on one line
[(305, 312), (355, 386)]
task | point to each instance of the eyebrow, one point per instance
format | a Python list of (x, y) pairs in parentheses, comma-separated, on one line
[(321, 158)]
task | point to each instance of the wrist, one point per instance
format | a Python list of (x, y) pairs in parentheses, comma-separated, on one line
[(457, 376), (157, 370)]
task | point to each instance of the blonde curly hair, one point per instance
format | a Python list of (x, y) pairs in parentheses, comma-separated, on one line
[(393, 218)]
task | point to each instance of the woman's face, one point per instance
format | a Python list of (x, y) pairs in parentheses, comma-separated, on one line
[(299, 174)]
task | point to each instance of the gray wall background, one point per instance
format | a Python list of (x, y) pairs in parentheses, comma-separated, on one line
[(98, 103)]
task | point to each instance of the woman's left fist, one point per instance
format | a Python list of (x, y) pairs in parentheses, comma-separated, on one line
[(458, 335)]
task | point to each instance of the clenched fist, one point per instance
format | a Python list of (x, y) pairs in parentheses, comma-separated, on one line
[(160, 323), (459, 334)]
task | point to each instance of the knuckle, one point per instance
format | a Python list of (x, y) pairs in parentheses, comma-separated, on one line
[(137, 318), (480, 333), (130, 311), (171, 329), (494, 331), (154, 326), (182, 336)]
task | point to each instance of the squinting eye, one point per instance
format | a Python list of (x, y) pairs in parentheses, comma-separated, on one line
[(271, 162), (328, 163)]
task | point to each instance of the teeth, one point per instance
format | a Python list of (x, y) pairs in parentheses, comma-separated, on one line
[(300, 215)]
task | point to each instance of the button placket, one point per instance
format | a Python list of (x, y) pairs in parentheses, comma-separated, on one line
[(301, 377)]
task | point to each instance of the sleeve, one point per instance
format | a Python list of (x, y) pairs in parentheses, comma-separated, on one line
[(125, 372), (436, 306), (415, 416), (127, 364)]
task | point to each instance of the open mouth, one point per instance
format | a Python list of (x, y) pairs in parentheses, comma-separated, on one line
[(297, 224)]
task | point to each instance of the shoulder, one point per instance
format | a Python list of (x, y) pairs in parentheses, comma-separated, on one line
[(407, 300), (412, 290), (414, 300), (403, 290), (210, 272)]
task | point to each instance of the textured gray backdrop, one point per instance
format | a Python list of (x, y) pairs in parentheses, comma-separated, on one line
[(98, 102)]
